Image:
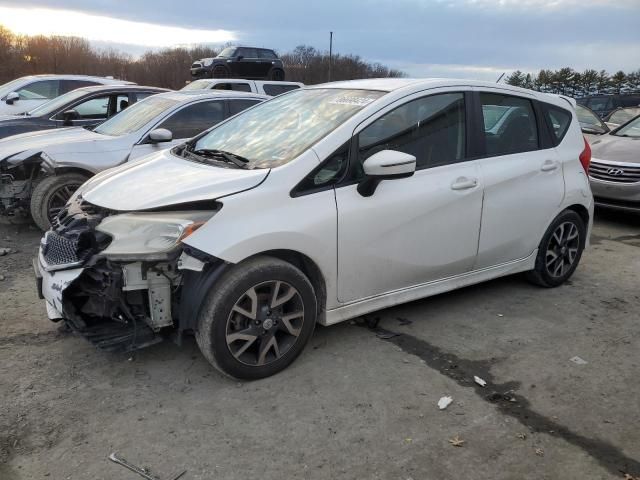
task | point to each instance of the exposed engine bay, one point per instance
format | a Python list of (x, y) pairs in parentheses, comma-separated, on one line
[(117, 303)]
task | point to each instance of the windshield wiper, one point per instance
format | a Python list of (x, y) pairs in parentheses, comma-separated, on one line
[(228, 157)]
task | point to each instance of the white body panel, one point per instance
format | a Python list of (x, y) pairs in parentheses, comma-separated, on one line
[(410, 231), (414, 237)]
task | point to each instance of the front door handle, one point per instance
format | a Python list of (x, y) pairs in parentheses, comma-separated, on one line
[(549, 165), (464, 183)]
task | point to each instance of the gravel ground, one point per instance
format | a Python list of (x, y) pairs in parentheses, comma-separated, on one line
[(360, 402)]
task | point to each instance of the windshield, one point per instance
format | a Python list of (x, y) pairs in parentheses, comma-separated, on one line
[(136, 116), (275, 132), (631, 129), (9, 87), (227, 52), (53, 105), (197, 85), (588, 118)]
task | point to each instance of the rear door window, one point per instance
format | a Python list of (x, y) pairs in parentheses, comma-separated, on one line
[(267, 54), (274, 89), (236, 106), (68, 85), (509, 124), (193, 119), (237, 87)]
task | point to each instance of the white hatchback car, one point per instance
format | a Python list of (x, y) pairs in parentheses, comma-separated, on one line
[(317, 206)]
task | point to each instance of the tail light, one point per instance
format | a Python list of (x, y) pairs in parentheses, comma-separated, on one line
[(585, 156)]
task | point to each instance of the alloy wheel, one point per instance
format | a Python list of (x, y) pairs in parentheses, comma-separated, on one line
[(265, 323), (562, 249), (59, 199)]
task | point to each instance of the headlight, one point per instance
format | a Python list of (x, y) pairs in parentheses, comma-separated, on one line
[(149, 236), (207, 62)]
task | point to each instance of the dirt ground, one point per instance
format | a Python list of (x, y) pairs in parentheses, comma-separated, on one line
[(359, 403)]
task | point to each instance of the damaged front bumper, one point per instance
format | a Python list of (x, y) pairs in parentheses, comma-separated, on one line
[(117, 306)]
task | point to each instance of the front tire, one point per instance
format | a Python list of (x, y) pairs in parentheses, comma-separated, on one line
[(51, 194), (559, 251), (257, 318), (220, 71)]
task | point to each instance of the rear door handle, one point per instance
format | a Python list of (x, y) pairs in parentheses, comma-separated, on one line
[(549, 165), (464, 183)]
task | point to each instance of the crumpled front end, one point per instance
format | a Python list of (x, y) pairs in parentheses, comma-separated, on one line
[(18, 177), (117, 301)]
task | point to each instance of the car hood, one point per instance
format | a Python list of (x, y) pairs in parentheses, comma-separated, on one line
[(163, 179), (616, 149), (73, 139)]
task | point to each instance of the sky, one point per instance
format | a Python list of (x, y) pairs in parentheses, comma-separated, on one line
[(424, 38)]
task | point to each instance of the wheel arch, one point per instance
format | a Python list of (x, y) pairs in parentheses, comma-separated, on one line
[(78, 170), (582, 211), (308, 267)]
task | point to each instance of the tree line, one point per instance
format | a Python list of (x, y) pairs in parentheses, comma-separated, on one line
[(28, 55), (567, 81)]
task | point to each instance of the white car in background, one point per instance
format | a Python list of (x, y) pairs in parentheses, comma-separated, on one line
[(26, 93), (40, 170), (262, 87), (321, 205)]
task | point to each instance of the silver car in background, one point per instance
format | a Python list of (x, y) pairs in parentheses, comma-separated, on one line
[(40, 170), (614, 173)]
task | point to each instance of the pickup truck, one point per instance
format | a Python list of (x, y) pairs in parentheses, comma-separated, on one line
[(261, 87)]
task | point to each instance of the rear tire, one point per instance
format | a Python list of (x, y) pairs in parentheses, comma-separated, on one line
[(51, 194), (559, 251), (277, 75), (257, 318)]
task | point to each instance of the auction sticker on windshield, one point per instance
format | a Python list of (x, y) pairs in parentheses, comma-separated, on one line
[(359, 101)]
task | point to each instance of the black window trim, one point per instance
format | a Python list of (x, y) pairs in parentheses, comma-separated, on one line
[(298, 190)]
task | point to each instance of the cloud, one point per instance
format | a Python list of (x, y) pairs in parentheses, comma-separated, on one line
[(34, 21), (459, 38)]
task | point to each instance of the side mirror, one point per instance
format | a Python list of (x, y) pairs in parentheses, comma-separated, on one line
[(239, 57), (160, 135), (68, 116), (385, 165), (12, 97)]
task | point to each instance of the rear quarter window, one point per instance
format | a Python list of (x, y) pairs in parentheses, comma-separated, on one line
[(558, 119)]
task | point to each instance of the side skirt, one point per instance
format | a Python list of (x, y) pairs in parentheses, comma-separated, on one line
[(424, 290)]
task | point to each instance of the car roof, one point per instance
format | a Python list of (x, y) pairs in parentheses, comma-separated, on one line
[(128, 88), (103, 80), (188, 95), (243, 80), (410, 85)]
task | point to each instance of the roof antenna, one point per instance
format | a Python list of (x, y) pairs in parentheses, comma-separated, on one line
[(500, 77)]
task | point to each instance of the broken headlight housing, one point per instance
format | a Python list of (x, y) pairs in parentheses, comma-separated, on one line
[(149, 236)]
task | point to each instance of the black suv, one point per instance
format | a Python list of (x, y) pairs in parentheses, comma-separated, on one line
[(603, 105), (240, 62)]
